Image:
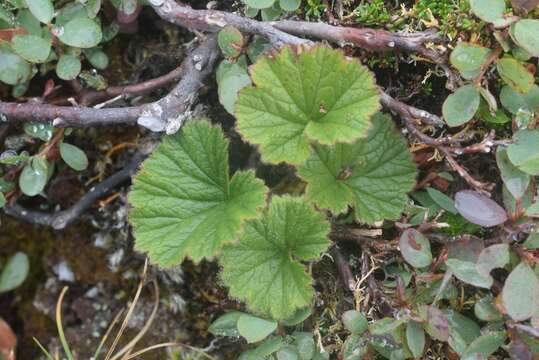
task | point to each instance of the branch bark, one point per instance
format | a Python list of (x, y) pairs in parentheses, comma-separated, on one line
[(164, 114), (62, 219)]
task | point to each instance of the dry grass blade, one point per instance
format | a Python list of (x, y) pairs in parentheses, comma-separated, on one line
[(129, 347), (129, 312)]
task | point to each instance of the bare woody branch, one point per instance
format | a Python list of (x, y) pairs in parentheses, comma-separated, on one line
[(159, 115), (282, 32), (61, 219), (91, 97)]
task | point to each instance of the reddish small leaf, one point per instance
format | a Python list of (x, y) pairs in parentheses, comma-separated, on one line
[(524, 6), (8, 341), (436, 324), (479, 209), (8, 34)]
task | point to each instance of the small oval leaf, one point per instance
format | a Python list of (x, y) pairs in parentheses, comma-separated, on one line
[(461, 106), (32, 48), (415, 248), (73, 156), (81, 33), (43, 10), (255, 329), (479, 209), (520, 293), (14, 272)]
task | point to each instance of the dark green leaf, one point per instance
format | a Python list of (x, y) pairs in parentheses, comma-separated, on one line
[(524, 153), (81, 33), (13, 68), (14, 272), (39, 130), (355, 322), (515, 102), (466, 271), (515, 75), (415, 338), (230, 41), (255, 329), (226, 325), (415, 248), (43, 10), (461, 106), (32, 48), (68, 67), (299, 317), (486, 344), (520, 293), (73, 156), (515, 180), (33, 177), (444, 201), (526, 34)]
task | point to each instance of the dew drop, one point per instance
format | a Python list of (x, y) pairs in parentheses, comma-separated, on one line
[(57, 31)]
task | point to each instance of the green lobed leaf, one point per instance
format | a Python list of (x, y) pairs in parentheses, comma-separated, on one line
[(373, 174), (515, 74), (302, 95), (488, 10), (68, 67), (81, 33), (255, 329), (526, 34), (515, 180), (2, 200), (73, 156), (32, 48), (520, 293), (461, 106), (14, 272), (184, 202), (415, 248), (524, 153), (43, 10), (264, 269)]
